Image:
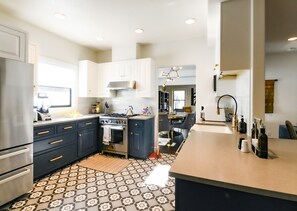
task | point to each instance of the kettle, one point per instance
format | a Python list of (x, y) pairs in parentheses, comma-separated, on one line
[(129, 111)]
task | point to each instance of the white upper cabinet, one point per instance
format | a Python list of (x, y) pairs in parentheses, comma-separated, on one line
[(124, 70), (235, 35), (87, 79), (105, 75), (13, 44), (145, 78)]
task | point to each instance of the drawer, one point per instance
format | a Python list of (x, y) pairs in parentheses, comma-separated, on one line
[(15, 158), (16, 183), (54, 159), (89, 123), (66, 128), (136, 124), (54, 142), (43, 132)]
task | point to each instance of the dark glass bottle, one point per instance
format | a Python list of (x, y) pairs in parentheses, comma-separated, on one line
[(242, 125), (262, 150)]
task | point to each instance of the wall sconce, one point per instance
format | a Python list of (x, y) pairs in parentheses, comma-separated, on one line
[(172, 74)]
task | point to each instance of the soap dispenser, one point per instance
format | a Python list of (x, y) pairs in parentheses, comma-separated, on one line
[(242, 125), (262, 150)]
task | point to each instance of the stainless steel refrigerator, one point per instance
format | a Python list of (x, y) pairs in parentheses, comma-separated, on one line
[(16, 129)]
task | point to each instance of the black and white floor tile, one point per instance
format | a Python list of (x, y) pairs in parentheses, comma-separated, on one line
[(78, 188)]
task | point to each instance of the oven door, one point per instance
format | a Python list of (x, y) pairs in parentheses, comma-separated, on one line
[(118, 141), (117, 134)]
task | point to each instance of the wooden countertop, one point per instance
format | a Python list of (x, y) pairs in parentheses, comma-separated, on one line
[(214, 159)]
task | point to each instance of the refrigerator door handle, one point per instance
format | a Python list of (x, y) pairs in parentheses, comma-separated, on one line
[(14, 153), (26, 171)]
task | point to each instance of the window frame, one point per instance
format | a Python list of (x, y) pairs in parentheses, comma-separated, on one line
[(173, 98), (58, 106)]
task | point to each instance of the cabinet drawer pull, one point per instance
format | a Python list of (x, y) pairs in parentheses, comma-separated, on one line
[(56, 158), (79, 135), (136, 124), (56, 142), (43, 132), (67, 128), (131, 133), (88, 123)]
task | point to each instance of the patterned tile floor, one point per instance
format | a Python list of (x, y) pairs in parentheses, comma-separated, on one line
[(79, 188)]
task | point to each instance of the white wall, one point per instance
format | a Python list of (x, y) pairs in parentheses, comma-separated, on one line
[(54, 47), (189, 52), (282, 66)]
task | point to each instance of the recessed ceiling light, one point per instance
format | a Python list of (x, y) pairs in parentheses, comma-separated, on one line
[(190, 21), (99, 38), (170, 3), (60, 15), (292, 39), (139, 31)]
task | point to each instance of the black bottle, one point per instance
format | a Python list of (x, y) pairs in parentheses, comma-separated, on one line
[(262, 150), (255, 131), (242, 125)]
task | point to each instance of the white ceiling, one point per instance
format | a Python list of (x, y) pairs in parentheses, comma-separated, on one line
[(114, 20), (162, 20)]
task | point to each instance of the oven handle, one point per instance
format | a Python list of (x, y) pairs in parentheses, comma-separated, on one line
[(113, 127)]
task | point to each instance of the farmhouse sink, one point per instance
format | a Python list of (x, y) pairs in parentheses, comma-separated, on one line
[(212, 128)]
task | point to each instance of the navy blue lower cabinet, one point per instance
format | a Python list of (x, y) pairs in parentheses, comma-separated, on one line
[(140, 138), (53, 160), (58, 145), (192, 196), (87, 142)]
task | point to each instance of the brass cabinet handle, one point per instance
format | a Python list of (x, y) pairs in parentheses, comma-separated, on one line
[(43, 132), (88, 123), (136, 124), (79, 135), (56, 158), (68, 127), (56, 142)]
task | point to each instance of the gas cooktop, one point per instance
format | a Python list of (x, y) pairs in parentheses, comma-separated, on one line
[(117, 115)]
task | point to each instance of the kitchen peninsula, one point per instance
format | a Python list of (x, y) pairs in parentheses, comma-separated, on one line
[(213, 174)]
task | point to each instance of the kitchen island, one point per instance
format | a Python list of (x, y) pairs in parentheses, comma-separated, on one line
[(213, 174)]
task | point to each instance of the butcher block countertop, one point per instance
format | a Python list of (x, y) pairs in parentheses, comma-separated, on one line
[(214, 159)]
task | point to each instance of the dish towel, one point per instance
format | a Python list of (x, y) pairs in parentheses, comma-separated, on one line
[(106, 134)]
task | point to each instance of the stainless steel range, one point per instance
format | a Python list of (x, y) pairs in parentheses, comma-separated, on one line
[(115, 133)]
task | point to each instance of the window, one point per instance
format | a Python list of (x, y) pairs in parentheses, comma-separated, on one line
[(56, 80), (179, 99), (58, 96)]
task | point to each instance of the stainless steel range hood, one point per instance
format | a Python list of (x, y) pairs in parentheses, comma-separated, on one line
[(120, 85)]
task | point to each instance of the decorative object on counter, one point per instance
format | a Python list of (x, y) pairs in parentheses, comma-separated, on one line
[(106, 108), (129, 111), (255, 131), (73, 114), (146, 111), (244, 146), (97, 108), (202, 114), (234, 119), (291, 129), (93, 109), (242, 125), (262, 150)]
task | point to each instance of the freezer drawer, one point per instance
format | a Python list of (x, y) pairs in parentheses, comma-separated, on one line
[(15, 158), (15, 184)]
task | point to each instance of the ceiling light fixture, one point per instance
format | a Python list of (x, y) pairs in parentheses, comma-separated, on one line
[(292, 39), (139, 31), (190, 21), (60, 15), (172, 74)]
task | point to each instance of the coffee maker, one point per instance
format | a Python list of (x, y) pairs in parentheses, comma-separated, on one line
[(43, 108)]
